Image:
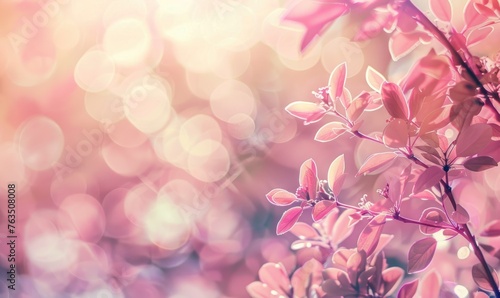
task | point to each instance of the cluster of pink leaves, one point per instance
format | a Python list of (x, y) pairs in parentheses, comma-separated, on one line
[(439, 93), (385, 16), (414, 130), (353, 272)]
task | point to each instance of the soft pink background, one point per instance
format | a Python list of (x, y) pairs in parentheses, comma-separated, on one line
[(142, 136)]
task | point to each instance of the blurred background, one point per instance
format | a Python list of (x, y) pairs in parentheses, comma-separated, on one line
[(143, 135)]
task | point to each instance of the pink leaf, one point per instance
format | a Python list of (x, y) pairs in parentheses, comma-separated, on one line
[(269, 195), (311, 246), (338, 277), (329, 222), (374, 79), (473, 139), (396, 134), (355, 265), (430, 285), (308, 111), (305, 277), (308, 177), (429, 150), (395, 190), (480, 163), (281, 197), (338, 288), (274, 275), (316, 16), (394, 101), (450, 233), (258, 290), (376, 161), (460, 216), (441, 9), (430, 177), (288, 220), (375, 101), (478, 35), (408, 290), (337, 81), (330, 132), (431, 139), (346, 98), (322, 208), (435, 119), (382, 243), (391, 277), (492, 229), (333, 273), (484, 10), (341, 230), (401, 43), (406, 23), (481, 278), (304, 231), (433, 216), (420, 254), (480, 295), (369, 237), (336, 174), (472, 17), (374, 24), (415, 102), (462, 90), (429, 74), (357, 125), (341, 256), (431, 103), (354, 218), (462, 113), (358, 106)]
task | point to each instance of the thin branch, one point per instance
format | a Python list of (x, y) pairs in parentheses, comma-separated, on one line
[(408, 220), (477, 250), (366, 137), (397, 217)]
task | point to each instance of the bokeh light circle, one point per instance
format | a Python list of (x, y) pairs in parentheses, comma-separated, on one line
[(241, 126), (209, 161), (105, 107), (92, 263), (117, 224), (184, 194), (138, 201), (45, 247), (67, 34), (127, 135), (230, 98), (463, 252), (345, 51), (95, 71), (166, 224), (83, 217), (199, 128), (127, 41), (127, 161), (41, 143), (65, 186), (147, 106)]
